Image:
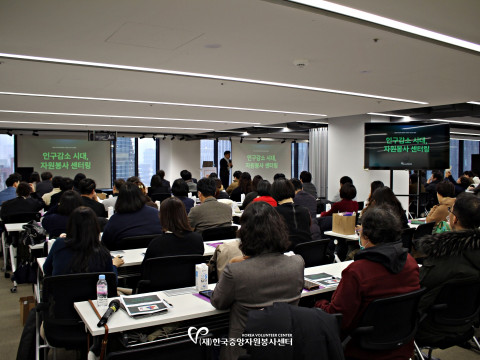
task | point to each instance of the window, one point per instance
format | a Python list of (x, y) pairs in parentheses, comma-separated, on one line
[(206, 151), (147, 159), (6, 158), (223, 145), (469, 147), (454, 155), (299, 158), (125, 162)]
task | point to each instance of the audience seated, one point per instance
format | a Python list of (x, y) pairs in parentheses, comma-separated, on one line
[(187, 177), (65, 185), (117, 185), (431, 188), (343, 180), (446, 199), (252, 194), (244, 187), (56, 222), (347, 194), (384, 196), (45, 186), (279, 176), (307, 186), (264, 191), (382, 268), (462, 183), (10, 192), (450, 257), (305, 199), (180, 191), (158, 185), (80, 251), (89, 197), (178, 237), (296, 217), (143, 189), (23, 203), (234, 184), (56, 183), (76, 181), (374, 185), (132, 217), (211, 213), (262, 276), (220, 193), (34, 179)]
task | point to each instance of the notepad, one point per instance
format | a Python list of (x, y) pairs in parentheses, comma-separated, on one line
[(136, 305)]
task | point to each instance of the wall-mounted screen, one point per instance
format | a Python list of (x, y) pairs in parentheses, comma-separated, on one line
[(412, 146)]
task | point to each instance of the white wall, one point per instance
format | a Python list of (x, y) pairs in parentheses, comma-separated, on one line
[(345, 157), (176, 156)]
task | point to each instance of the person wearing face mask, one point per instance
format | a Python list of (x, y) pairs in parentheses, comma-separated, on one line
[(382, 268)]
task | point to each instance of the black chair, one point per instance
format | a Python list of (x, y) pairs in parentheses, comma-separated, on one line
[(314, 253), (220, 233), (407, 238), (135, 242), (168, 272), (457, 305), (21, 218), (160, 196), (388, 323), (63, 327), (423, 229)]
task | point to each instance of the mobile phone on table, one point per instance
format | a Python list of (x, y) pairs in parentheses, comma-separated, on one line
[(206, 293)]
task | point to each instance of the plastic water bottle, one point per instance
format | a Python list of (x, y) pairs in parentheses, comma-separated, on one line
[(102, 291)]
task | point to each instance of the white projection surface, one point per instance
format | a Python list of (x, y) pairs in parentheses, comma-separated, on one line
[(265, 159), (66, 157)]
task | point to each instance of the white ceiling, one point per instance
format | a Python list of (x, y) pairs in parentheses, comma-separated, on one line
[(251, 39)]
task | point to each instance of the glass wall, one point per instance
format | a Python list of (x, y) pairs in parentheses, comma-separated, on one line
[(454, 154), (302, 157), (223, 145), (125, 157), (469, 147), (206, 151), (6, 158), (147, 159)]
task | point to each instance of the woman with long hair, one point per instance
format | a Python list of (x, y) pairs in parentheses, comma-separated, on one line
[(56, 222), (244, 187), (384, 196), (178, 237), (80, 251)]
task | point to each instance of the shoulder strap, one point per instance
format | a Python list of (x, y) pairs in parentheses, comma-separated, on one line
[(105, 337)]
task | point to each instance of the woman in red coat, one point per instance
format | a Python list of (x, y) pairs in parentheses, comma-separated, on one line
[(382, 268)]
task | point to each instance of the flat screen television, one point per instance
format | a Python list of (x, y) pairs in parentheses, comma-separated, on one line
[(412, 146)]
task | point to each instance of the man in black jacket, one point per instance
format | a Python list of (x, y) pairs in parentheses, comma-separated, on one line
[(225, 166)]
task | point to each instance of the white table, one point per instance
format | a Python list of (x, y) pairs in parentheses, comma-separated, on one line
[(185, 307), (353, 237), (15, 227)]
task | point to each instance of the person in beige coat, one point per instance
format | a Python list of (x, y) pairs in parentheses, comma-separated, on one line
[(262, 276), (446, 199)]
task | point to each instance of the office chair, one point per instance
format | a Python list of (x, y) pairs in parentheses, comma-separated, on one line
[(21, 218), (313, 252), (423, 229), (407, 238), (63, 327), (220, 233), (135, 242), (457, 305), (168, 272), (388, 323), (160, 196)]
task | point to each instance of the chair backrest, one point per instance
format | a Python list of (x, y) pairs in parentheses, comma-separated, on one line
[(168, 272), (389, 323), (458, 303), (160, 196), (407, 238), (313, 252), (424, 229), (135, 242), (220, 233), (21, 218)]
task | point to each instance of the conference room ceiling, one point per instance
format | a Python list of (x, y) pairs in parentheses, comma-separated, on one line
[(265, 41)]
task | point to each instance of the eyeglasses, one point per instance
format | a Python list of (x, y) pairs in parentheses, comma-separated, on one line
[(450, 210)]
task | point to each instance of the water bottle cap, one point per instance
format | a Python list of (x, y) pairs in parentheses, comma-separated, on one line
[(101, 277)]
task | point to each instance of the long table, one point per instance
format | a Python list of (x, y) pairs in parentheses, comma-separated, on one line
[(186, 306)]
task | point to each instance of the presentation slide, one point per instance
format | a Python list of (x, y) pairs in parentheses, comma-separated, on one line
[(265, 159), (66, 157)]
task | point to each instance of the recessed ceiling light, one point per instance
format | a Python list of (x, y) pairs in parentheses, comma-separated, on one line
[(158, 103), (393, 24), (462, 133), (199, 75), (474, 102), (457, 122), (312, 122), (391, 115), (121, 116), (103, 125)]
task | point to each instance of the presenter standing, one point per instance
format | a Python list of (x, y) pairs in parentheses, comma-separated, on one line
[(225, 166)]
